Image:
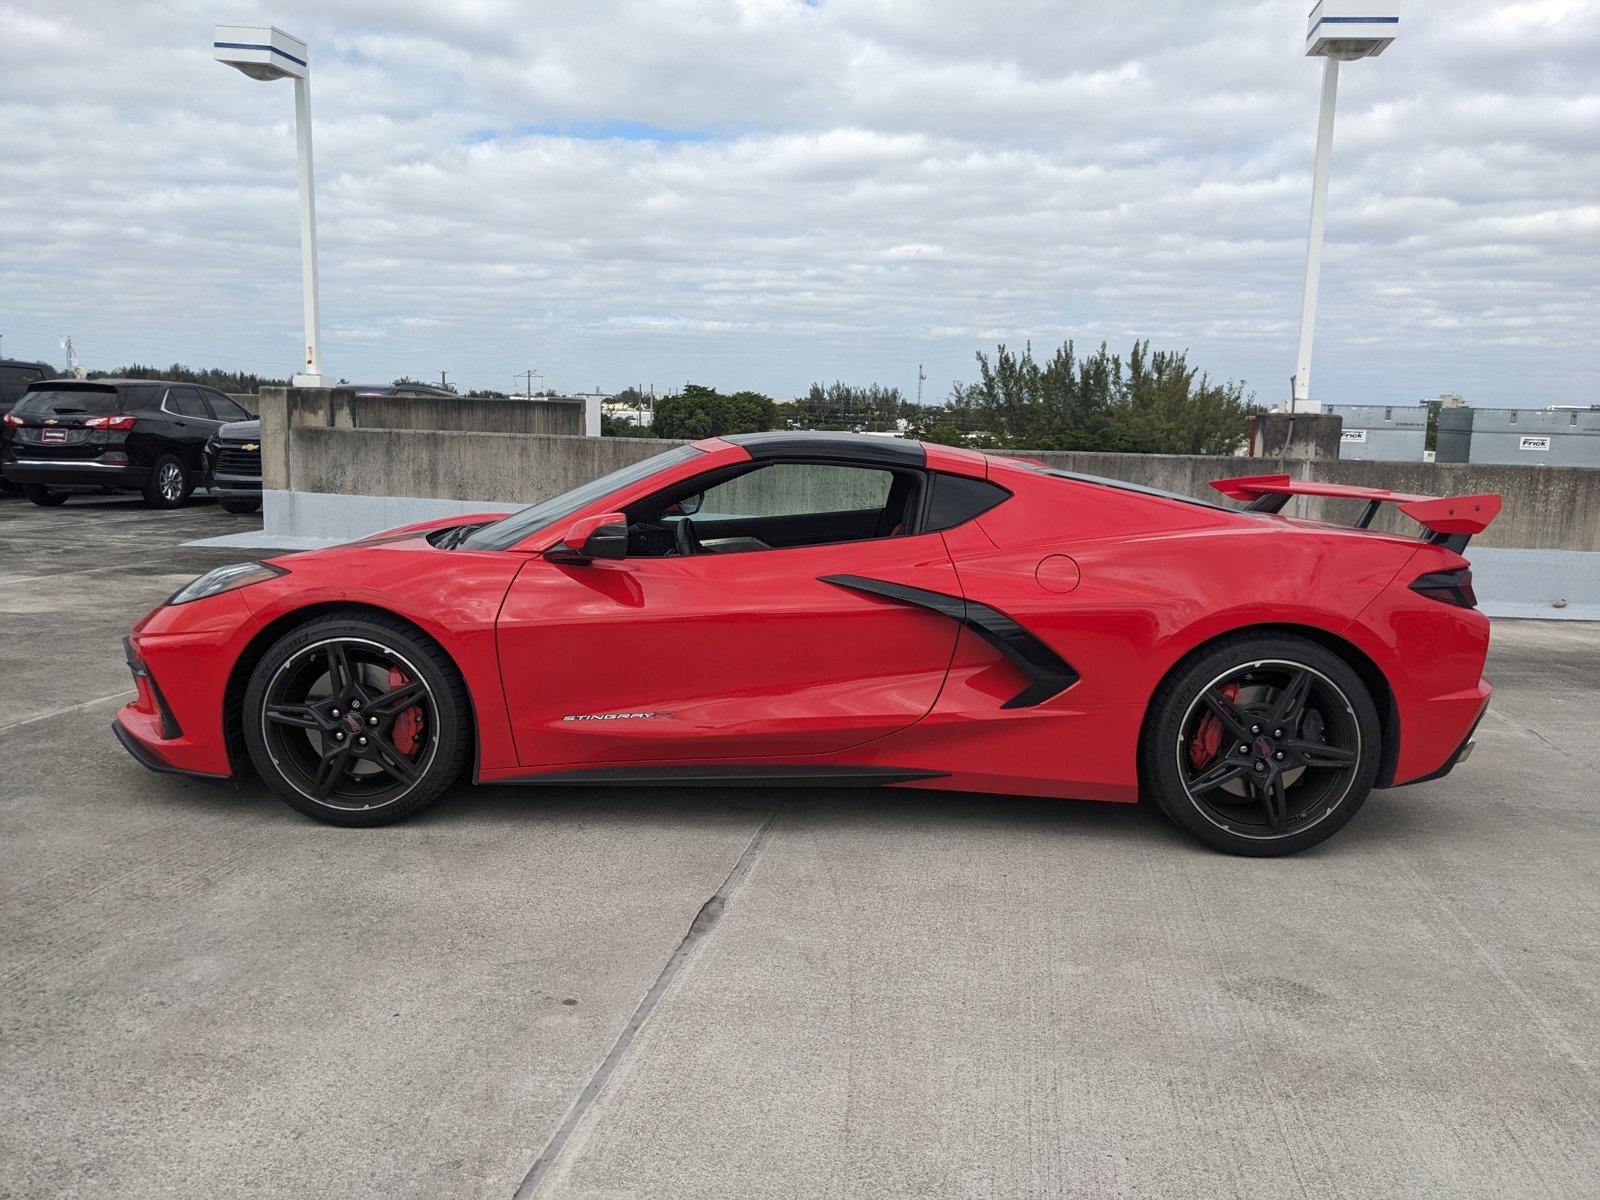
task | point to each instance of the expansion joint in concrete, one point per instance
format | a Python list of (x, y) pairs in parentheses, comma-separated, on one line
[(699, 929)]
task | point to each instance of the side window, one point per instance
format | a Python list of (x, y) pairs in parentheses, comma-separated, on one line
[(797, 489), (11, 384), (778, 506), (958, 498), (186, 402), (225, 409)]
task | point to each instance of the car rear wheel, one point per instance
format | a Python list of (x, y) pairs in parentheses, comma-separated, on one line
[(356, 720), (43, 496), (1261, 745), (240, 506), (169, 483)]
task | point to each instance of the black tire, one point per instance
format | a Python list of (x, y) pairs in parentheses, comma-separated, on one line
[(43, 496), (304, 747), (240, 506), (1268, 777), (169, 484)]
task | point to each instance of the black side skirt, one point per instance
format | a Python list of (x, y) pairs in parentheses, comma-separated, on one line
[(1048, 673), (717, 775)]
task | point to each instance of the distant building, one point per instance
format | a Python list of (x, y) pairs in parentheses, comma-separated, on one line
[(1556, 437), (1382, 432)]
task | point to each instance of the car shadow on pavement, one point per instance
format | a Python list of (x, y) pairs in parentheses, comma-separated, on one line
[(1387, 817)]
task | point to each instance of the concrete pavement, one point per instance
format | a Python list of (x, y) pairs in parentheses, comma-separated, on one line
[(836, 993)]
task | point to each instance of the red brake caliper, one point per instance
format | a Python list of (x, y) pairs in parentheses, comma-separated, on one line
[(1208, 734), (407, 730)]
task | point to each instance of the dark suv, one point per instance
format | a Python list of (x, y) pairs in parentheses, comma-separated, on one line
[(132, 435), (15, 376)]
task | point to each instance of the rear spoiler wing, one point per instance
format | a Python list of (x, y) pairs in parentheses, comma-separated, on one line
[(1450, 520)]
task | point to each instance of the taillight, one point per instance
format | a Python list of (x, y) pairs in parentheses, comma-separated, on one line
[(1452, 587), (122, 421), (13, 419)]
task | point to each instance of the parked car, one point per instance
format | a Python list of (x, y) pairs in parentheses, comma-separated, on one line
[(831, 610), (233, 466), (132, 435), (401, 389), (15, 376)]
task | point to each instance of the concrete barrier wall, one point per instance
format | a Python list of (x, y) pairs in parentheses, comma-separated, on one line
[(1554, 508), (341, 408), (285, 409), (1544, 507), (470, 466)]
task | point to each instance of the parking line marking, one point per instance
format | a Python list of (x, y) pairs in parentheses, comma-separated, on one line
[(59, 712)]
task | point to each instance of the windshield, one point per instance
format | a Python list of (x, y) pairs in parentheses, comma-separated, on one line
[(507, 532)]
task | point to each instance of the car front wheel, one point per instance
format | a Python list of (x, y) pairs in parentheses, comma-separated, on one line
[(356, 720), (1261, 745)]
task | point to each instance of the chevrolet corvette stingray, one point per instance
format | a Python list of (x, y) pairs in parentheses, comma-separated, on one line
[(839, 610)]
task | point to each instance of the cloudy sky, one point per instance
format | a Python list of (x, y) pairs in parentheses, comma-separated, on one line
[(761, 193)]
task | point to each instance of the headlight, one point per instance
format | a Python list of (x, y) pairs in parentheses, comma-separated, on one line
[(226, 579)]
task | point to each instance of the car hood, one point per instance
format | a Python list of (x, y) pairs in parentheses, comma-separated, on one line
[(414, 532), (241, 431)]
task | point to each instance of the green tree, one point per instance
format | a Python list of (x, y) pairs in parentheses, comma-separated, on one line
[(613, 426), (223, 381), (702, 412), (1154, 403), (847, 406), (405, 379)]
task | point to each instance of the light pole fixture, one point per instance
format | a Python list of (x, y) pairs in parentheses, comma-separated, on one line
[(266, 52), (1336, 31)]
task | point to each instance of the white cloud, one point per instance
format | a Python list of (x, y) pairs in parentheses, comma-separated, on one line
[(799, 192)]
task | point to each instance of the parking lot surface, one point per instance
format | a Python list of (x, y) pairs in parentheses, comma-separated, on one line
[(640, 992)]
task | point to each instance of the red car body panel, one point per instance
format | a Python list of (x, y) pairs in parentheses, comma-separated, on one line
[(768, 659)]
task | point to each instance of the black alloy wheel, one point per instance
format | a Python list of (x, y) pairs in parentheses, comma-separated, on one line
[(1263, 753), (356, 721)]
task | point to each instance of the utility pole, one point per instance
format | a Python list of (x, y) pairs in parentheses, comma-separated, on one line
[(74, 371), (442, 382), (920, 377)]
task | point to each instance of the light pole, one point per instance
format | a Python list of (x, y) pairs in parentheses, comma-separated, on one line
[(266, 52), (1336, 31)]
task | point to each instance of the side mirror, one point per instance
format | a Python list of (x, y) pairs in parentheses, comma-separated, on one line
[(605, 536)]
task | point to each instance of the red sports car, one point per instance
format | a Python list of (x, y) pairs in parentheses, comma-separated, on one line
[(829, 609)]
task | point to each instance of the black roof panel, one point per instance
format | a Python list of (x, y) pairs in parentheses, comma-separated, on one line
[(55, 384), (837, 447)]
